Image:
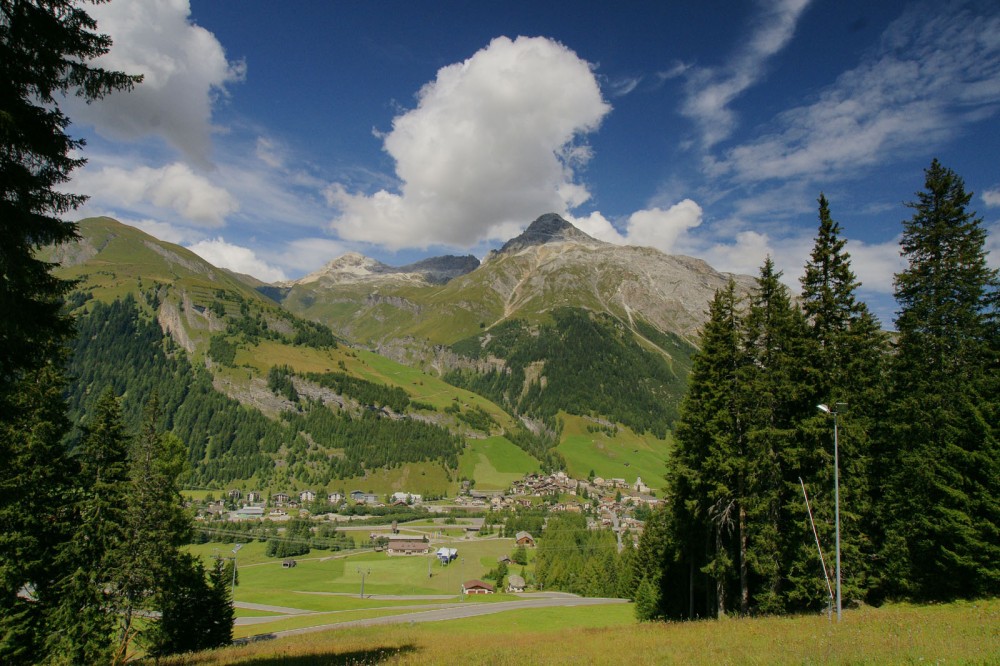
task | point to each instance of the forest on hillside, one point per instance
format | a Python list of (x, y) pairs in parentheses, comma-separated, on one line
[(590, 364), (119, 347)]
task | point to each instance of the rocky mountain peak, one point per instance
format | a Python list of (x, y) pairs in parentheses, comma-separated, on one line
[(549, 228)]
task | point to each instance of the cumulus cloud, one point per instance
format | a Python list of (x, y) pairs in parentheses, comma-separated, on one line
[(492, 142), (992, 198), (710, 91), (930, 77), (174, 187), (184, 67), (236, 258)]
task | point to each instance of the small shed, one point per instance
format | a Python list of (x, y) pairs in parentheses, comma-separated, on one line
[(515, 583), (524, 539), (289, 564)]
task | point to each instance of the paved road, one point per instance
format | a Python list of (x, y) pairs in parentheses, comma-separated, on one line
[(453, 612)]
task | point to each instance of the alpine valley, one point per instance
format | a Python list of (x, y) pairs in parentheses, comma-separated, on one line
[(557, 351)]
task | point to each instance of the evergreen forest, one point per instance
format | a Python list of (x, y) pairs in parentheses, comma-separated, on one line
[(780, 386)]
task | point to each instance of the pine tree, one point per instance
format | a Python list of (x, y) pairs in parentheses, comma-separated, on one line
[(45, 48), (846, 358), (84, 617), (942, 500), (774, 383), (155, 523), (708, 477)]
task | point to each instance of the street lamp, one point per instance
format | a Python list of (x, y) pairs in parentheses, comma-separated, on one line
[(836, 487), (236, 549)]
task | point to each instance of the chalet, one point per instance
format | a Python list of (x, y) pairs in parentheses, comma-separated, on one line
[(307, 496), (235, 494), (280, 499), (515, 583), (335, 498), (477, 587), (253, 496), (395, 547), (524, 539)]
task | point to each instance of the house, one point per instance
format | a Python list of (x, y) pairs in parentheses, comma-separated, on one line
[(524, 539), (235, 494), (503, 559), (477, 587), (515, 583), (253, 496), (280, 499), (406, 498), (360, 497), (307, 496), (335, 498), (397, 547)]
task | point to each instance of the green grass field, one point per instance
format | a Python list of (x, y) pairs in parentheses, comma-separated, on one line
[(495, 463), (625, 455), (958, 633)]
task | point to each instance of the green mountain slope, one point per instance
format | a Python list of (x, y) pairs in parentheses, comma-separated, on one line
[(260, 396)]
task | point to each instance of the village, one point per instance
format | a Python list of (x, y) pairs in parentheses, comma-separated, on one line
[(404, 524)]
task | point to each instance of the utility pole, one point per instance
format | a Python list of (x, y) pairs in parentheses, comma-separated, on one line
[(836, 487), (236, 549)]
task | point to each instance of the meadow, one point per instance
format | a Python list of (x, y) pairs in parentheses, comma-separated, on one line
[(623, 455), (325, 587), (957, 633), (495, 463)]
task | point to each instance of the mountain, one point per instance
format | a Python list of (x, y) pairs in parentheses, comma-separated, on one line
[(257, 394), (551, 264), (572, 350)]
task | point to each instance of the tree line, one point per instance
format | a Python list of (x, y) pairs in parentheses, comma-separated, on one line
[(916, 416)]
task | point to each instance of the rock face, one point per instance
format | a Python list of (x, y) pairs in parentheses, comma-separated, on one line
[(551, 264), (549, 228)]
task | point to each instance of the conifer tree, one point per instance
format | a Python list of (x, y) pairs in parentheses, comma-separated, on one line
[(846, 357), (708, 476), (45, 50), (942, 500), (774, 382), (85, 615)]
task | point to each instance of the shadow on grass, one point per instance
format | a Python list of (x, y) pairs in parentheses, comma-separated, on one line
[(376, 655)]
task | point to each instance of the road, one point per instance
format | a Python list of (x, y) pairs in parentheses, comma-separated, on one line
[(436, 613)]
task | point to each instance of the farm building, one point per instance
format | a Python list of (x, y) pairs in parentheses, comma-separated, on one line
[(477, 587)]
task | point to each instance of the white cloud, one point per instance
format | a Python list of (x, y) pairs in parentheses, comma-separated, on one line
[(992, 198), (184, 67), (710, 91), (174, 187), (493, 142), (876, 264), (305, 255), (930, 77), (236, 258)]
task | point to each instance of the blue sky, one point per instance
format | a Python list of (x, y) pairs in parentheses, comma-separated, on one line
[(272, 137)]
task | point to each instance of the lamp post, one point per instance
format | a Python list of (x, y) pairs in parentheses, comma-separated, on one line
[(236, 549), (836, 487)]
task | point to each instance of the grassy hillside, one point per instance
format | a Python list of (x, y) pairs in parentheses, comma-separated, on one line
[(612, 452), (495, 463), (961, 633)]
